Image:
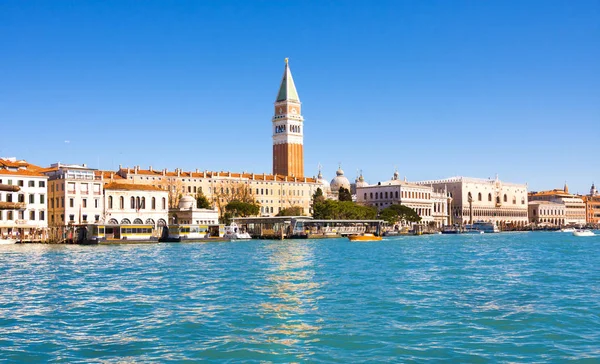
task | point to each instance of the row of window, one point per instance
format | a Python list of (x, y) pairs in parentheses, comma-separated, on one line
[(505, 198), (21, 198), (405, 194), (20, 215), (137, 203), (21, 183)]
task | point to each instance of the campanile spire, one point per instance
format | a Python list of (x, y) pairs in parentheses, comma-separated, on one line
[(288, 129)]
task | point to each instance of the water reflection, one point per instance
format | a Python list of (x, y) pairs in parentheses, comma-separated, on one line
[(292, 294)]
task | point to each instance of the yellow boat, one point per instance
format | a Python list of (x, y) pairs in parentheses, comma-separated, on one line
[(364, 237)]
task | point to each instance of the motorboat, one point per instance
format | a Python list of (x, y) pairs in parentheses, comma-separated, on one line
[(583, 233), (7, 241), (480, 227), (568, 230), (364, 237), (233, 232)]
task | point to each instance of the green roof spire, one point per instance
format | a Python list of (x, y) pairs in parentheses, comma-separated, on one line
[(287, 90)]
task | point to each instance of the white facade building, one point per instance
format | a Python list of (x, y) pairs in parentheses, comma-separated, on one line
[(135, 204), (23, 200), (74, 195), (489, 200), (431, 205), (188, 213)]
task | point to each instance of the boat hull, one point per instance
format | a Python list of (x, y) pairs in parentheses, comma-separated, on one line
[(8, 241), (583, 233), (364, 238)]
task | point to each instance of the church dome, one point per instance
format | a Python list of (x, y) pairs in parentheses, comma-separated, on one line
[(339, 181), (186, 203), (324, 185), (360, 181)]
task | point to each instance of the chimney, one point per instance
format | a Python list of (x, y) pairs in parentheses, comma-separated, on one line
[(178, 172), (120, 166), (111, 176), (197, 170), (164, 172), (150, 168), (136, 169), (85, 165)]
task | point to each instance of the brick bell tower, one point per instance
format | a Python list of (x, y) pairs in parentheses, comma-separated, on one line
[(288, 129)]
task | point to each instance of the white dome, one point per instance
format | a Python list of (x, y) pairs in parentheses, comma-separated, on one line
[(186, 203), (360, 182), (339, 181), (323, 182)]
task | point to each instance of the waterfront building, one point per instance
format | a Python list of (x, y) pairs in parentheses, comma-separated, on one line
[(431, 205), (23, 200), (136, 204), (272, 192), (575, 210), (547, 213), (74, 194), (288, 129), (187, 213), (490, 200), (592, 206)]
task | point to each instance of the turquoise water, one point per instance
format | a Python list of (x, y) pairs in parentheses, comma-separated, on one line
[(522, 297)]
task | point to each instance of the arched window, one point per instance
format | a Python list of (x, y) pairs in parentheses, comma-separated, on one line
[(110, 202), (371, 195), (143, 203), (514, 200), (121, 202), (386, 194), (489, 197), (505, 198), (365, 195), (376, 195), (479, 196), (164, 203), (153, 203), (470, 196), (396, 194), (132, 202)]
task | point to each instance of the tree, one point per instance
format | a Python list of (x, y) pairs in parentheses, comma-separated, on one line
[(292, 211), (201, 201), (174, 187), (318, 195), (344, 194), (395, 213), (342, 210), (242, 209), (223, 194)]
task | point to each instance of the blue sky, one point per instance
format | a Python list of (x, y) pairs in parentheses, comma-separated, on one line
[(434, 88)]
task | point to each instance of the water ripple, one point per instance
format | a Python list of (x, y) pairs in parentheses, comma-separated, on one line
[(532, 297)]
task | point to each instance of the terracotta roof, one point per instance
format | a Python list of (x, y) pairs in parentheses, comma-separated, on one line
[(210, 174), (130, 187), (22, 172), (107, 175)]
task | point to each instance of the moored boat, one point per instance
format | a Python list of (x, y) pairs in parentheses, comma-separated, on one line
[(364, 237), (568, 230), (7, 241), (233, 232), (583, 233)]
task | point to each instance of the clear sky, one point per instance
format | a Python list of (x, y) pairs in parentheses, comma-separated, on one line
[(434, 88)]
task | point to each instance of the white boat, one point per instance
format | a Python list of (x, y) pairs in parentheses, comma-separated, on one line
[(7, 241), (480, 227), (583, 233), (568, 230), (233, 232)]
